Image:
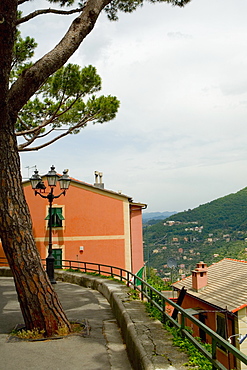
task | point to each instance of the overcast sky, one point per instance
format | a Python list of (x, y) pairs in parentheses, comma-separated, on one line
[(180, 137)]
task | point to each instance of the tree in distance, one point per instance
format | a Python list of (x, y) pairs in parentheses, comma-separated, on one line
[(20, 114)]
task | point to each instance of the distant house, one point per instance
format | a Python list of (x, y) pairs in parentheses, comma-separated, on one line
[(90, 224), (217, 296)]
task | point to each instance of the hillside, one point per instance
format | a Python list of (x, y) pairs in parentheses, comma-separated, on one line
[(209, 232)]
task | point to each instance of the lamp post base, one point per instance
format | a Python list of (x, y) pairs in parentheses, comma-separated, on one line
[(50, 268)]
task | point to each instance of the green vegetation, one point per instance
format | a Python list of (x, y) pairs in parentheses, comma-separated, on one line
[(196, 358), (37, 334), (34, 334), (68, 101), (156, 281), (209, 232)]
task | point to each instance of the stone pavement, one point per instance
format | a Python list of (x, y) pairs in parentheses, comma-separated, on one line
[(103, 349), (104, 304)]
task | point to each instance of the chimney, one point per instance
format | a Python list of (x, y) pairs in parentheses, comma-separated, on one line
[(200, 277), (98, 180)]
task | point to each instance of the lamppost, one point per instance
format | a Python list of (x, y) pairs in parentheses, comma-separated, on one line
[(39, 188)]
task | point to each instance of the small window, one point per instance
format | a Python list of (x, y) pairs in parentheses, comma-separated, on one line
[(221, 328), (202, 333), (56, 217)]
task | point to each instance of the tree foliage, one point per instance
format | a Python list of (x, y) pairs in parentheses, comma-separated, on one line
[(131, 5), (23, 51), (65, 102)]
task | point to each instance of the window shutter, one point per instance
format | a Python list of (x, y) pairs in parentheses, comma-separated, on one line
[(56, 212), (59, 213)]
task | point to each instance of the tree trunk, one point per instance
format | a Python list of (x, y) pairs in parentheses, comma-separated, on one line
[(38, 301)]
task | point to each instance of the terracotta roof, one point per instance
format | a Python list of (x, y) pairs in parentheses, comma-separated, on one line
[(226, 285)]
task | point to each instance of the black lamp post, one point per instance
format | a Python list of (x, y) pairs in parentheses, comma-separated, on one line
[(39, 188)]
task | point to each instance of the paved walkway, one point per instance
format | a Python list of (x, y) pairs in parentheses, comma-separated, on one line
[(103, 349)]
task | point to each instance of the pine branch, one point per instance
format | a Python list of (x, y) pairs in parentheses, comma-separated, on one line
[(46, 11), (32, 79), (33, 130), (28, 142), (80, 124), (46, 133)]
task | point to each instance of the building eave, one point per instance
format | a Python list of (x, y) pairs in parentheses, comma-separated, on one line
[(98, 190)]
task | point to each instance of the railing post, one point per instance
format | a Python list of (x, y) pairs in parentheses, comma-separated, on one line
[(163, 310), (70, 265), (99, 268), (134, 282), (214, 352), (121, 275), (128, 278), (142, 296), (182, 323)]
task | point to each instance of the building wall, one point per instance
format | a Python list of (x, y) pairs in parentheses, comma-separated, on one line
[(136, 237), (242, 329), (210, 313), (97, 220)]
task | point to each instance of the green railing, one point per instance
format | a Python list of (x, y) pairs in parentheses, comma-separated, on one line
[(158, 300)]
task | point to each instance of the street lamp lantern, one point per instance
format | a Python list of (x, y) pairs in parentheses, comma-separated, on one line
[(64, 181), (35, 179), (39, 188), (52, 177)]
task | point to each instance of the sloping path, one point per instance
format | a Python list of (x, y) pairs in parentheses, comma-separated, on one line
[(102, 349)]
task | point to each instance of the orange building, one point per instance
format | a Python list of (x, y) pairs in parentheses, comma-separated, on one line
[(89, 224)]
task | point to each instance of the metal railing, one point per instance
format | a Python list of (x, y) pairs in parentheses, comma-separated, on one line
[(158, 300)]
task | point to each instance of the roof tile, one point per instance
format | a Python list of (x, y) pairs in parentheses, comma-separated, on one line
[(226, 285)]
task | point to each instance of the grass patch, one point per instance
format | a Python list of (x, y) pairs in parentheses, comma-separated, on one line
[(77, 328)]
